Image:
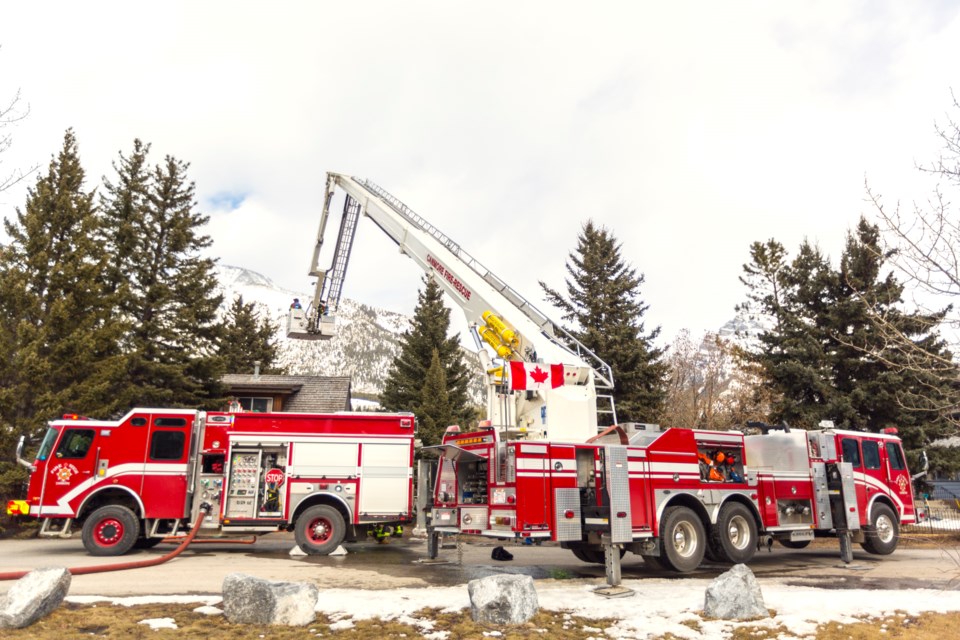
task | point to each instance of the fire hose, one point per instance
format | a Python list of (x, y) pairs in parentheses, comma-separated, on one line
[(137, 564)]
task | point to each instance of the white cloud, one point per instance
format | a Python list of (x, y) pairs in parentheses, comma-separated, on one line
[(689, 129)]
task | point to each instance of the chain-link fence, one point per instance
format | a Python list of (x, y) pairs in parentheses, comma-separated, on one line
[(938, 520)]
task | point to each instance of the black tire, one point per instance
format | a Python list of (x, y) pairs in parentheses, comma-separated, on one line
[(592, 555), (110, 531), (683, 540), (146, 543), (734, 538), (319, 530), (654, 563), (883, 534), (794, 544)]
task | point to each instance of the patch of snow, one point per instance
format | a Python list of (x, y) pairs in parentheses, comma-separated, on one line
[(132, 601), (340, 625), (208, 610), (160, 623)]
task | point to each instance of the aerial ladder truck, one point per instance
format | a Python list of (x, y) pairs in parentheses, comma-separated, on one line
[(506, 326)]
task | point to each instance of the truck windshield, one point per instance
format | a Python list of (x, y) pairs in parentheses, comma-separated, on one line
[(47, 445)]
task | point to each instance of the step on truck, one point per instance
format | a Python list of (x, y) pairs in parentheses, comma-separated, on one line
[(676, 496), (132, 482)]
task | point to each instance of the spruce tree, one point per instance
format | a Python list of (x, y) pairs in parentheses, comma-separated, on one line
[(603, 306), (435, 413), (56, 313), (247, 338), (824, 356), (407, 377), (170, 294)]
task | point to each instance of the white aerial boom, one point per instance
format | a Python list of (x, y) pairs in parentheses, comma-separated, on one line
[(499, 317)]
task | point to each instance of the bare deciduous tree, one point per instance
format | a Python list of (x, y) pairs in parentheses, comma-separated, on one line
[(923, 245), (10, 113), (710, 386)]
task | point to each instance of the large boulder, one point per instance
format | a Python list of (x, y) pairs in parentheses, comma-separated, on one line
[(735, 595), (250, 600), (504, 599), (34, 596)]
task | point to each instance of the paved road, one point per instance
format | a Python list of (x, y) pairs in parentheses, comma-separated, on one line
[(201, 569)]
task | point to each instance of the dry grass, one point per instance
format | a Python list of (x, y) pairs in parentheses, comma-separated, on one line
[(108, 621)]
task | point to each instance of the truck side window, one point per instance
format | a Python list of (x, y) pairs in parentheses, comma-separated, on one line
[(167, 445), (871, 454), (895, 456), (75, 443), (170, 422), (851, 452)]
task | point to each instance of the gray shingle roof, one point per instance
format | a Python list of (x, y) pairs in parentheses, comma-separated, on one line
[(309, 394)]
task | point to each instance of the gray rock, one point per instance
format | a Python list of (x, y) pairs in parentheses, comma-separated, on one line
[(503, 599), (250, 600), (34, 596), (735, 595)]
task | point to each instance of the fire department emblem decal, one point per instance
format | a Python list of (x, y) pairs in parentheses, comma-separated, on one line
[(63, 473), (902, 483)]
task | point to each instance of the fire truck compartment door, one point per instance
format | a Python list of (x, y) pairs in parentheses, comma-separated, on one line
[(385, 478), (618, 488), (454, 453)]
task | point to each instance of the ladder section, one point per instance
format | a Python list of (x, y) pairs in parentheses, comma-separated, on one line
[(603, 374), (333, 281)]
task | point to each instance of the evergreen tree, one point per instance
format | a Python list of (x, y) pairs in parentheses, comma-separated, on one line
[(603, 305), (123, 205), (436, 413), (404, 387), (824, 355), (170, 292), (248, 338), (57, 322)]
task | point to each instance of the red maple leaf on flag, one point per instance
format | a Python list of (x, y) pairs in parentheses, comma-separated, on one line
[(539, 375)]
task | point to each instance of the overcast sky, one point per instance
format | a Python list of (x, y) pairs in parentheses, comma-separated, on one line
[(689, 129)]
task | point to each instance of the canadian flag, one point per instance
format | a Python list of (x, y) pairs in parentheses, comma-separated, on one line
[(532, 376)]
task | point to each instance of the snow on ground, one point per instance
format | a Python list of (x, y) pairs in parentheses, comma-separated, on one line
[(160, 623), (659, 606)]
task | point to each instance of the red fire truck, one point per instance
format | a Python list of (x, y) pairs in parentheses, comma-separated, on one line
[(675, 496), (129, 483)]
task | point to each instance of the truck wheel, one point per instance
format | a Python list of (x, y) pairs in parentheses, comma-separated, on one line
[(682, 539), (734, 538), (794, 544), (883, 534), (110, 531), (654, 563), (592, 555), (146, 543), (319, 530)]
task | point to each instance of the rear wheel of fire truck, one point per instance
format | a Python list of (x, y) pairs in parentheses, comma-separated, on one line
[(682, 539), (110, 531), (319, 530), (881, 537), (734, 538), (592, 555), (794, 544)]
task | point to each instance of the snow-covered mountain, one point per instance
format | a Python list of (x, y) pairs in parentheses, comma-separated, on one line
[(366, 340)]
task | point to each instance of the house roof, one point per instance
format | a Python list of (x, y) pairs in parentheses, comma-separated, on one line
[(311, 394)]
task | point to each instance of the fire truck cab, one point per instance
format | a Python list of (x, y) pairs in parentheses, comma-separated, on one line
[(132, 482)]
